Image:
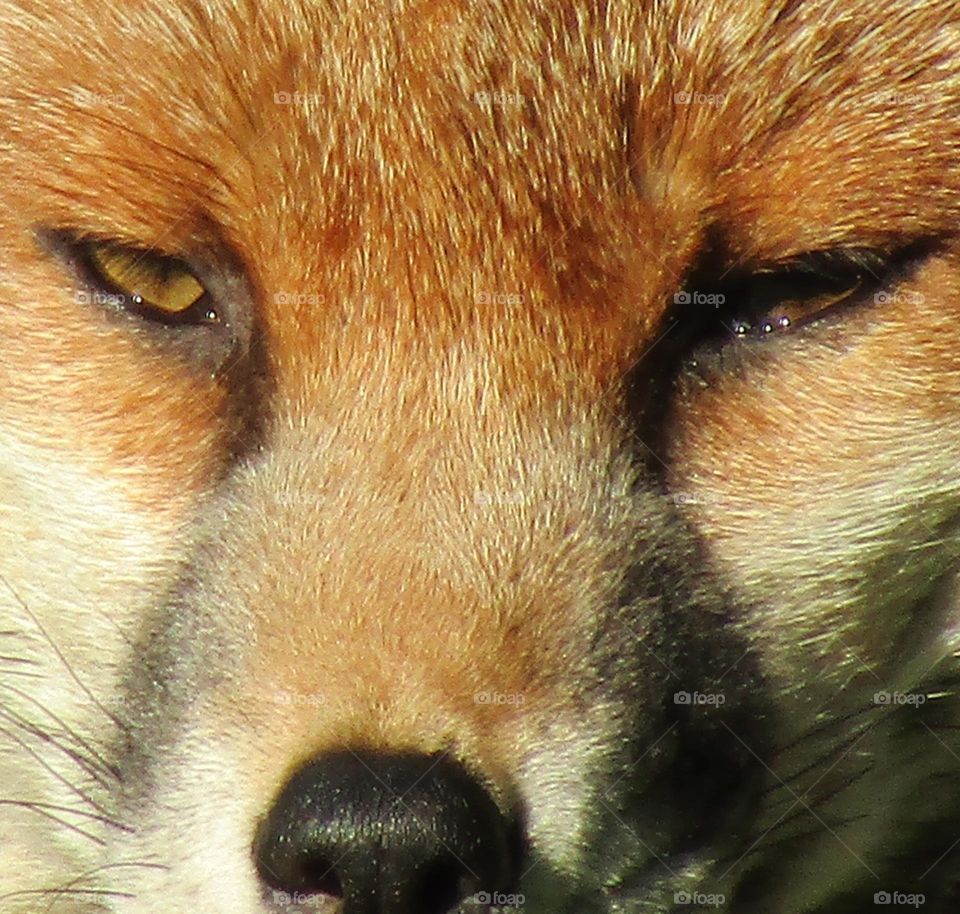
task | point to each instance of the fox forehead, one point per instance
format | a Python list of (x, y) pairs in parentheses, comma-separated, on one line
[(440, 160), (392, 180)]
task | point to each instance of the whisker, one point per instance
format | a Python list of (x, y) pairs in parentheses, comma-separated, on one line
[(69, 888), (60, 655), (74, 812), (93, 753), (46, 736), (45, 810), (6, 731)]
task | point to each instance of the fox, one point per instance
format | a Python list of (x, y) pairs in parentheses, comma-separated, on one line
[(479, 457)]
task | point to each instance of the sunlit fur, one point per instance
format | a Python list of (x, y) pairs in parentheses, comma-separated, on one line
[(459, 449)]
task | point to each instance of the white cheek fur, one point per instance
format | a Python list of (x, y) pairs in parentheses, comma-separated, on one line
[(79, 565)]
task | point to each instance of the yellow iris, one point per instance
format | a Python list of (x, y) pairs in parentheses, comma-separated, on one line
[(145, 278)]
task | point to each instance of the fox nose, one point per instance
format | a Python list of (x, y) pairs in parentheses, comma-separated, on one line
[(384, 833)]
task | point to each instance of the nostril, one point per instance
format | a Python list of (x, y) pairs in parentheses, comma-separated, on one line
[(443, 888), (320, 877), (382, 833)]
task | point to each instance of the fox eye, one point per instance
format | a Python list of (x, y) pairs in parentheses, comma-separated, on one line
[(774, 299), (778, 298), (156, 286)]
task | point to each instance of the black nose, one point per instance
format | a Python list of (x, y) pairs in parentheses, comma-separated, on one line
[(387, 833)]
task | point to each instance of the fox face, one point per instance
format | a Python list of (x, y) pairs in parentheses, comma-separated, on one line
[(478, 457)]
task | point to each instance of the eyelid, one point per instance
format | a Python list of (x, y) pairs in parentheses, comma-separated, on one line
[(765, 304), (140, 278), (148, 277), (89, 256), (810, 286), (828, 261), (212, 346), (886, 264)]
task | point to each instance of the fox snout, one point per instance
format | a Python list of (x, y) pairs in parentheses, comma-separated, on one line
[(386, 833), (456, 457), (412, 661)]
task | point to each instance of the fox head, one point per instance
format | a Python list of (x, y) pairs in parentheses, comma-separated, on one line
[(464, 457)]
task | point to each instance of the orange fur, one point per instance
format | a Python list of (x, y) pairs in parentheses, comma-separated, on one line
[(459, 418)]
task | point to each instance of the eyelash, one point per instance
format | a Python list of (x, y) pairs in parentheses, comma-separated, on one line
[(75, 250), (200, 313), (774, 300)]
